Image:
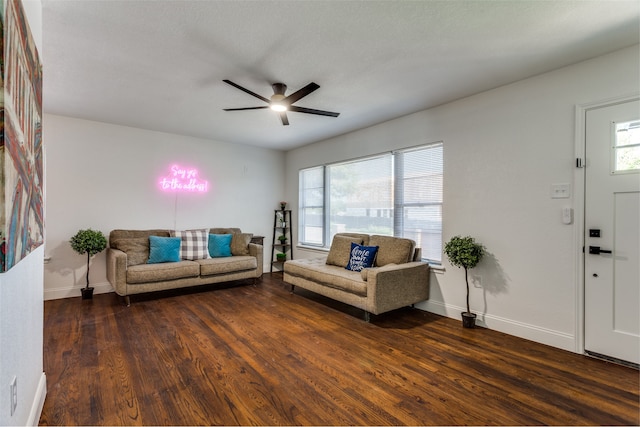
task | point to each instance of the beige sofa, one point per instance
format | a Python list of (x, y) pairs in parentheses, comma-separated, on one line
[(397, 279), (129, 273)]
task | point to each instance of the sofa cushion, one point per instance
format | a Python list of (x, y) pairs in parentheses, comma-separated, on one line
[(240, 243), (341, 247), (227, 265), (317, 270), (129, 234), (163, 249), (219, 245), (194, 243), (397, 250), (161, 272), (224, 230), (361, 257), (136, 248)]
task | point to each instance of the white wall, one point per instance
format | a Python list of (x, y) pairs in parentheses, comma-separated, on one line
[(21, 311), (503, 149), (21, 340), (104, 177)]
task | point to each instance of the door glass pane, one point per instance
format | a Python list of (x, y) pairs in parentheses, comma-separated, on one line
[(627, 146), (628, 158)]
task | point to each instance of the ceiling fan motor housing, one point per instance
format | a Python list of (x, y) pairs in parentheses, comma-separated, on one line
[(279, 88)]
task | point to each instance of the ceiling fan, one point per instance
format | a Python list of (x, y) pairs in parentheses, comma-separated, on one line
[(281, 103)]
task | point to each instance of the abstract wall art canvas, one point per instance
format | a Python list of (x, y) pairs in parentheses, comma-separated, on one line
[(21, 153)]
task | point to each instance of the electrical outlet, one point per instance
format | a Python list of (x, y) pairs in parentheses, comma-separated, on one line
[(476, 281), (14, 394)]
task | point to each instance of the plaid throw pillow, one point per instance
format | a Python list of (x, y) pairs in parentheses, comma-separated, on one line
[(194, 244)]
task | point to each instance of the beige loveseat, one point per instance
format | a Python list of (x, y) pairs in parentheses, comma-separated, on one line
[(397, 279), (129, 273)]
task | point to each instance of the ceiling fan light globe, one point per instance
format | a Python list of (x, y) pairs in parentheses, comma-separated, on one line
[(276, 103), (276, 106)]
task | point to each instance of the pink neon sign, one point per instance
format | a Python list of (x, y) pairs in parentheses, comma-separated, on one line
[(183, 180)]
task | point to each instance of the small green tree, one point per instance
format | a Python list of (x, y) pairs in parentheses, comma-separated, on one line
[(88, 242), (464, 252)]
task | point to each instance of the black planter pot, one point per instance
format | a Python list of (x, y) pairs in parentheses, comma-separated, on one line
[(87, 293), (468, 320)]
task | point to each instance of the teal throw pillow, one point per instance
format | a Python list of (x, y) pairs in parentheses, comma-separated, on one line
[(163, 249), (219, 245), (361, 257)]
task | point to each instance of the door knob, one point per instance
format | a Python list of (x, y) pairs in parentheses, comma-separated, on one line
[(595, 250)]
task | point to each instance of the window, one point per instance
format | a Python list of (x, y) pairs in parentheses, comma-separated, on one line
[(360, 196), (394, 194), (418, 201), (311, 183), (626, 148)]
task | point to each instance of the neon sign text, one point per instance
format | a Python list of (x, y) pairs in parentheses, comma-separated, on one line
[(183, 180)]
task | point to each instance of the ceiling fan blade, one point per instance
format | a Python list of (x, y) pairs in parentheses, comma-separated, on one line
[(246, 90), (301, 93), (284, 118), (245, 108), (312, 111)]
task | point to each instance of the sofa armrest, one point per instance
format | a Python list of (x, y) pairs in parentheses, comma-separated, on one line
[(397, 285), (117, 270), (257, 251)]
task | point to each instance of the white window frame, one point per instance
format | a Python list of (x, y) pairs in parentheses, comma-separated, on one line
[(398, 205)]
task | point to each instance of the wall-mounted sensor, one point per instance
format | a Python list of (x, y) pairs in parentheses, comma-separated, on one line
[(567, 215)]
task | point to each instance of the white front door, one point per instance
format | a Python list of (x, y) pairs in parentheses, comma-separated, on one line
[(612, 231)]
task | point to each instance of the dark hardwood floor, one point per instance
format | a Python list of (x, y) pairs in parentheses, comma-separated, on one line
[(259, 355)]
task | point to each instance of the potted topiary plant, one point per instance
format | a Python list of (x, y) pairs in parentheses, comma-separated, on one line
[(465, 252), (88, 242), (280, 257), (283, 239)]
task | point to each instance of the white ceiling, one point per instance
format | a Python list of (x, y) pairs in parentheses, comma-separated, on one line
[(159, 65)]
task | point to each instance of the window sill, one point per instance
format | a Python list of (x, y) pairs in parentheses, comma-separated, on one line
[(437, 268), (313, 248)]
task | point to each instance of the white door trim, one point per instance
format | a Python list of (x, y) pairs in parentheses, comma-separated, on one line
[(579, 207)]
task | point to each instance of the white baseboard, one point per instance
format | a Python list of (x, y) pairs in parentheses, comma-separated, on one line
[(530, 332), (73, 291), (38, 402)]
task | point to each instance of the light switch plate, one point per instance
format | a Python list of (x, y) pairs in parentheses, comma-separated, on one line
[(560, 191)]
